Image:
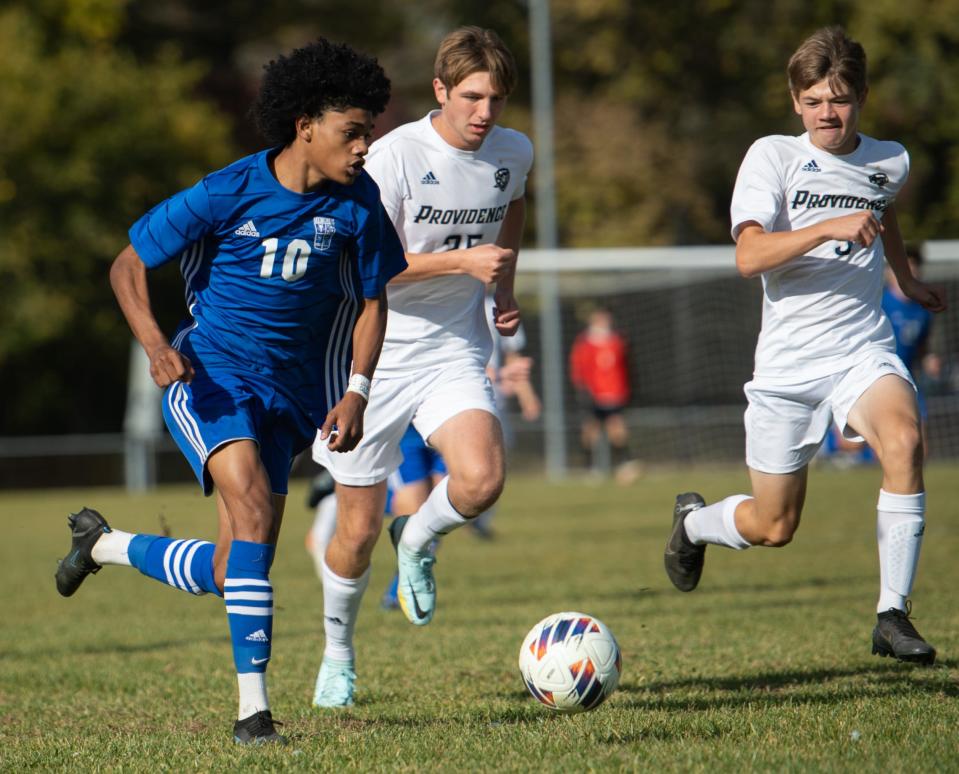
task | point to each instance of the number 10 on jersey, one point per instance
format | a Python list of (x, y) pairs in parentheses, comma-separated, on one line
[(294, 260)]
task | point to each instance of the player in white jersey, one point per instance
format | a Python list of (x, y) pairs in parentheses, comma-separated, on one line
[(814, 215), (453, 184)]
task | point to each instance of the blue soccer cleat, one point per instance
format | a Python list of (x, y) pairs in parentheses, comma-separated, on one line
[(334, 684), (416, 588)]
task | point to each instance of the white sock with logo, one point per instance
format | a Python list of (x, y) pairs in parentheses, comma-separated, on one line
[(435, 518), (341, 606), (899, 528), (112, 548), (716, 524), (253, 699)]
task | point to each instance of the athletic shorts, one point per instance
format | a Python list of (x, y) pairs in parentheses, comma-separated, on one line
[(426, 399), (787, 423), (220, 406)]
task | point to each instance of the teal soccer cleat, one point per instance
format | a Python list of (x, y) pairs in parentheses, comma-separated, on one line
[(334, 684), (416, 588)]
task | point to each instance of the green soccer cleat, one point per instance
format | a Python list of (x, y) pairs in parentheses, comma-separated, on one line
[(334, 684), (416, 588), (86, 528)]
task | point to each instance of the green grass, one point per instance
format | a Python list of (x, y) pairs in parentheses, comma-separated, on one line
[(765, 667)]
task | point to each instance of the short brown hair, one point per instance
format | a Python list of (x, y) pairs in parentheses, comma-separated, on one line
[(828, 54), (469, 50)]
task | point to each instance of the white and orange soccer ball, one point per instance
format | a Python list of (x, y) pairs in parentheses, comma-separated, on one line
[(570, 662)]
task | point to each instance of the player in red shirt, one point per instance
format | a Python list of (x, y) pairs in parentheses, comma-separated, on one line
[(598, 370)]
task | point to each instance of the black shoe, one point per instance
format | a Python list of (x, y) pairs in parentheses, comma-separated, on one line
[(321, 486), (396, 529), (259, 728), (86, 526), (683, 560), (895, 636)]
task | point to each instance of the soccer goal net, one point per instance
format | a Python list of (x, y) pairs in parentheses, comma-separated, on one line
[(691, 324)]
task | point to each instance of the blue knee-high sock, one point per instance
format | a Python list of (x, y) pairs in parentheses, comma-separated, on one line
[(183, 564), (249, 604)]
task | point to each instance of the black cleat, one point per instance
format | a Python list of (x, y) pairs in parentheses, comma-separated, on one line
[(321, 486), (396, 529), (259, 728), (86, 526), (684, 560), (895, 636)]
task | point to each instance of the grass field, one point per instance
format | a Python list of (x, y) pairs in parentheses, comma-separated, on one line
[(766, 666)]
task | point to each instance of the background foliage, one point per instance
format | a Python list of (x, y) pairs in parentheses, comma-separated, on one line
[(108, 106)]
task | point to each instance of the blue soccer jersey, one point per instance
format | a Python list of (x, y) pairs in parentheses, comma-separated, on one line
[(273, 277), (911, 323)]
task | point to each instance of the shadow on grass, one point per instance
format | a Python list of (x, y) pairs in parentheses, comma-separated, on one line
[(818, 686)]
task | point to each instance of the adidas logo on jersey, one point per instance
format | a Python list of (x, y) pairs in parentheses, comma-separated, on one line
[(812, 166), (429, 179), (247, 229), (258, 636)]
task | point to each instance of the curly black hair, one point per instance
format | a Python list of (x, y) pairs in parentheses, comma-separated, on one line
[(318, 77)]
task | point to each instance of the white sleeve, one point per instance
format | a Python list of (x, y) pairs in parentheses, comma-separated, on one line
[(525, 163), (384, 167), (758, 195)]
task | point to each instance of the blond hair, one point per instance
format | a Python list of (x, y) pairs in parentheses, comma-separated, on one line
[(469, 50), (828, 54)]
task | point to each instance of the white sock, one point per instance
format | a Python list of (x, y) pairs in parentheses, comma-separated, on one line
[(252, 687), (899, 530), (435, 518), (341, 606), (321, 533), (716, 524), (112, 548)]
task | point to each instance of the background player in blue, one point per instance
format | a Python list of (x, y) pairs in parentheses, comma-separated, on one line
[(286, 255), (911, 324)]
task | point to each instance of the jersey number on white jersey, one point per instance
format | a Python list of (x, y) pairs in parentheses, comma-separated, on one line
[(453, 241)]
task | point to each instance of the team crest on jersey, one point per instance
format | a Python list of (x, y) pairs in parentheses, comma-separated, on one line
[(501, 178), (325, 231), (879, 179)]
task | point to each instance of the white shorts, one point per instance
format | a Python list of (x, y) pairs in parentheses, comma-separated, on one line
[(424, 398), (787, 423)]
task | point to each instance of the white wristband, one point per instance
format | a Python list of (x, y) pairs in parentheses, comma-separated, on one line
[(360, 384)]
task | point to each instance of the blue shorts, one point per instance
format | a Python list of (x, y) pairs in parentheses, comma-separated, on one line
[(222, 405), (419, 463)]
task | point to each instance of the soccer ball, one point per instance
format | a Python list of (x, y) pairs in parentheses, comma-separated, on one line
[(570, 662)]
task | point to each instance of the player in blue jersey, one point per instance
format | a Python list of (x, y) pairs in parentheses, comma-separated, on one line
[(911, 324), (286, 255)]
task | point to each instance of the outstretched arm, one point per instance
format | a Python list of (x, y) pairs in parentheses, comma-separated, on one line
[(128, 277), (347, 415), (758, 250)]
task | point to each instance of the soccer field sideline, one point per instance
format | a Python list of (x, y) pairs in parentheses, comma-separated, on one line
[(767, 665)]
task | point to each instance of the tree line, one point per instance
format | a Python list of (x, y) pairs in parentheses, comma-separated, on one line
[(109, 106)]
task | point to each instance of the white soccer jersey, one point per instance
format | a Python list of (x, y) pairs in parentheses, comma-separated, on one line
[(822, 309), (442, 198)]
